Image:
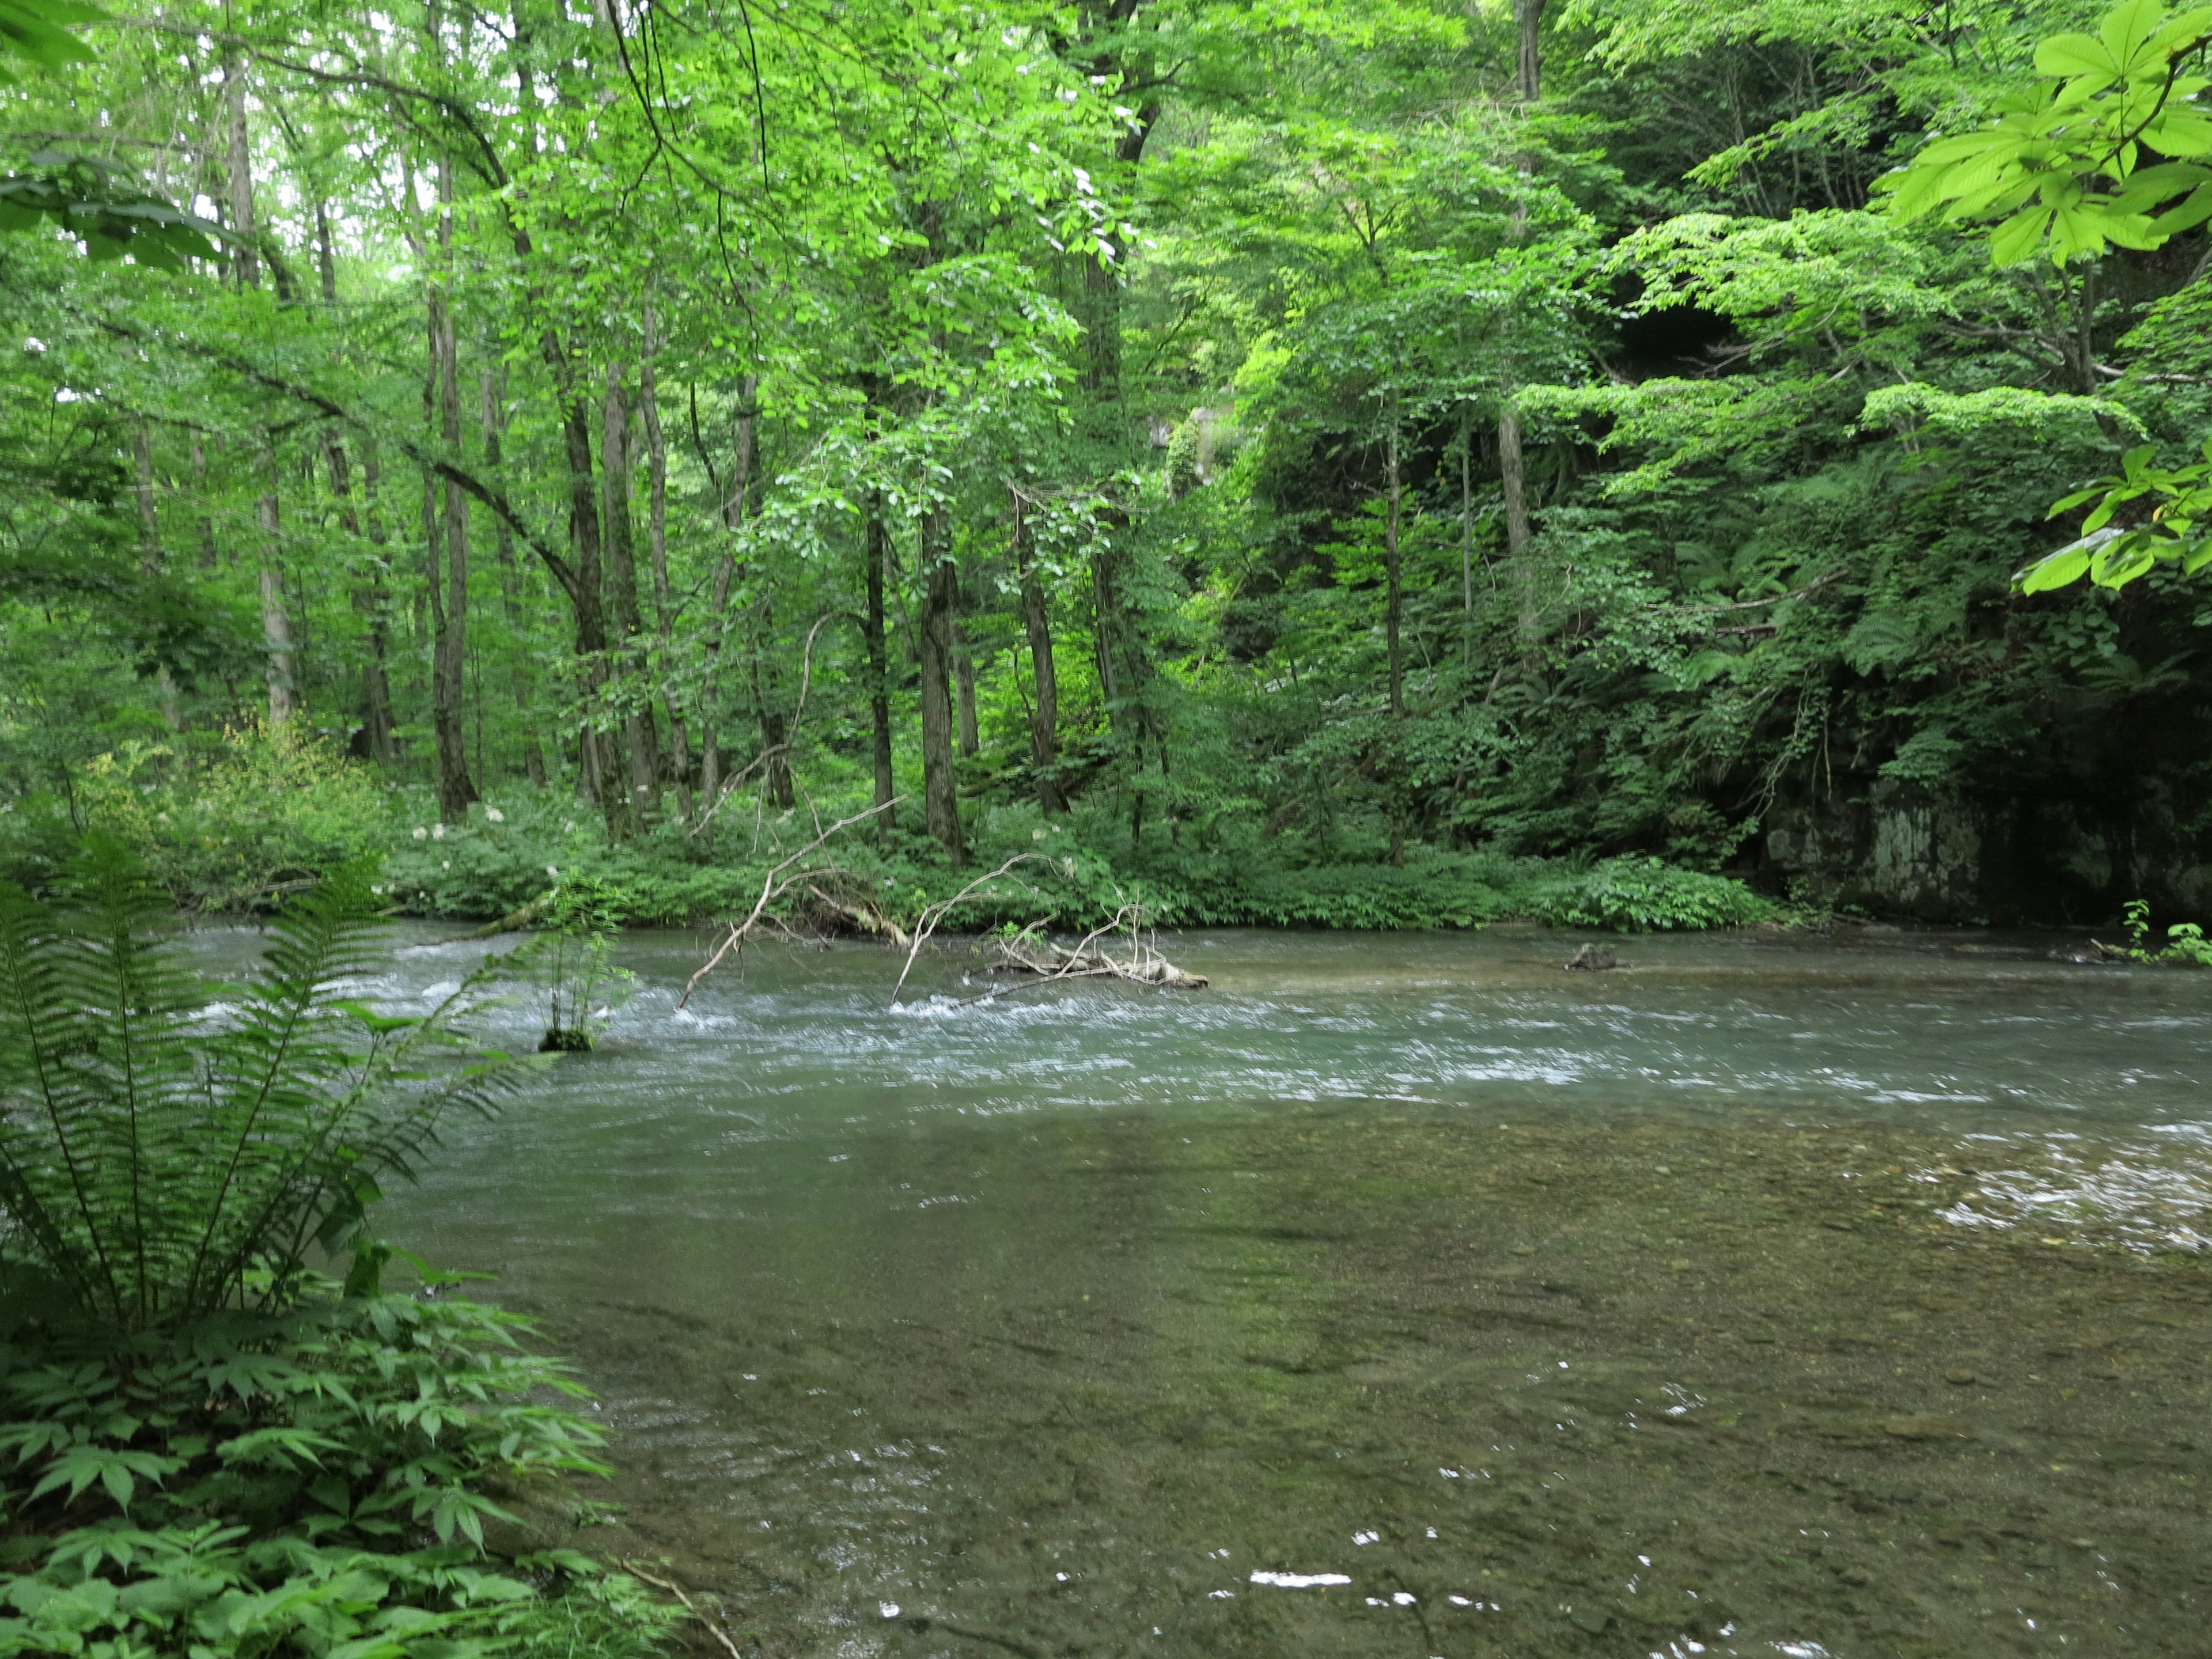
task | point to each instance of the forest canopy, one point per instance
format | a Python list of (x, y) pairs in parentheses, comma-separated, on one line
[(1223, 444)]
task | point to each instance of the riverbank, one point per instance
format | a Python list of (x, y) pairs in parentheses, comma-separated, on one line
[(243, 832)]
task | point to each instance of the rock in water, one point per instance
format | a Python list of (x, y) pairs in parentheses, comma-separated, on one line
[(1590, 959)]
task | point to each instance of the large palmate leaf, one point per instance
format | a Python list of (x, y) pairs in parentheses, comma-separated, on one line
[(2103, 154)]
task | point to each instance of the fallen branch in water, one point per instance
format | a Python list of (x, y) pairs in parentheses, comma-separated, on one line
[(515, 920), (925, 923), (771, 890), (1027, 952), (1145, 965)]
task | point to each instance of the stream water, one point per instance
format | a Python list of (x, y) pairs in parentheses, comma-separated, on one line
[(1396, 1296)]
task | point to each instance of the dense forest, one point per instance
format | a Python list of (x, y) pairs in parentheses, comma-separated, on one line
[(1315, 462)]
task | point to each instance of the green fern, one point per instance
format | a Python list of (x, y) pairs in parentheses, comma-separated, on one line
[(159, 1160)]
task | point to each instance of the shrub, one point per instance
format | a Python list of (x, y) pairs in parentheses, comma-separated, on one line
[(1645, 895), (305, 1483), (238, 825)]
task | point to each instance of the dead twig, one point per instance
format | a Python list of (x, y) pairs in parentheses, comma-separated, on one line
[(708, 1625), (769, 890), (925, 923)]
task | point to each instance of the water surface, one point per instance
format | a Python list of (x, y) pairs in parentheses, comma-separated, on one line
[(1397, 1296)]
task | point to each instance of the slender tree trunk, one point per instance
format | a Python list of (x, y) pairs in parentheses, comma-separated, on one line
[(151, 557), (941, 804), (656, 460), (245, 263), (1512, 474), (1044, 713), (964, 681), (621, 594), (376, 688), (367, 601), (457, 791), (1395, 599), (877, 549), (745, 446), (494, 394), (1529, 17), (208, 556), (275, 619), (1466, 543), (596, 774)]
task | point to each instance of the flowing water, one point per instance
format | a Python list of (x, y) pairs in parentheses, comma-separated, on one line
[(1398, 1296)]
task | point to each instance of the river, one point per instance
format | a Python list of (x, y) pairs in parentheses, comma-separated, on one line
[(1396, 1296)]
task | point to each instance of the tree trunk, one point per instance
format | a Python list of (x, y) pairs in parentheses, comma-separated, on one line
[(275, 619), (745, 444), (244, 265), (494, 393), (1395, 597), (374, 741), (940, 805), (964, 681), (457, 791), (1512, 474), (1528, 17), (208, 556), (656, 459), (621, 595), (1466, 544), (151, 558), (1044, 715), (877, 544), (595, 772)]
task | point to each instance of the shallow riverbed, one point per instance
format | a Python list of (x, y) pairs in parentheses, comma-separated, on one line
[(1397, 1296)]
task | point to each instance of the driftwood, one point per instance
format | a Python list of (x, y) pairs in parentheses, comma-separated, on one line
[(773, 885), (1144, 964)]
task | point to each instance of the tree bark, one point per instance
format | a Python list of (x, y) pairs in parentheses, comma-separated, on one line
[(244, 265), (367, 601), (877, 549), (457, 791), (596, 773), (622, 594), (1395, 599), (941, 804), (208, 556), (964, 681), (275, 619), (1466, 544), (1512, 474), (151, 557), (1044, 713), (656, 460), (745, 447), (493, 393), (1529, 17)]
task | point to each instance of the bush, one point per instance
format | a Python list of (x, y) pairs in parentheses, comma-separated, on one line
[(305, 1483), (237, 825), (1645, 895)]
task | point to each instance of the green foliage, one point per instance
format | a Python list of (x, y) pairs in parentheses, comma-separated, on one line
[(233, 823), (313, 1481), (160, 1160), (1644, 895), (2185, 942), (2059, 168), (569, 960)]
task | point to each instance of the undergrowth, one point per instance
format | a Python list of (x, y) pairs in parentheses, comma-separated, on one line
[(312, 1482)]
